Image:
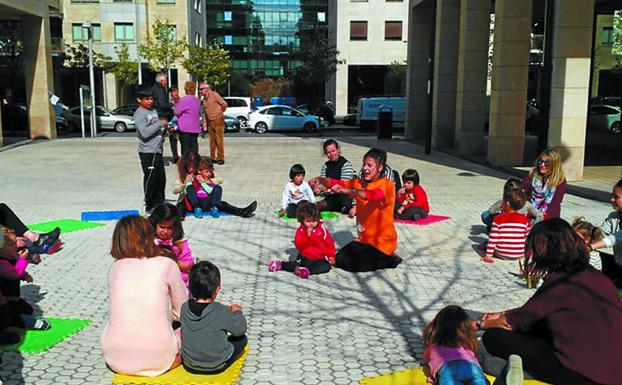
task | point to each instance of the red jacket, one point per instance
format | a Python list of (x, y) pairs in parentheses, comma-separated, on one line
[(317, 246), (416, 197)]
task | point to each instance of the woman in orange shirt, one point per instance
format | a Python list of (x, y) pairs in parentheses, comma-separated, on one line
[(374, 248)]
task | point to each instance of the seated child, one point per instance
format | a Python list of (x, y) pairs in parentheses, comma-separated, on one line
[(316, 248), (169, 231), (213, 334), (587, 231), (14, 311), (612, 237), (295, 191), (411, 198), (509, 229), (529, 210)]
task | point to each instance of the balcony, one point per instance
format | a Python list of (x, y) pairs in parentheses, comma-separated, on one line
[(58, 46)]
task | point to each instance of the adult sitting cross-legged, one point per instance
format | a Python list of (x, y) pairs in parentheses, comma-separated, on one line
[(336, 167)]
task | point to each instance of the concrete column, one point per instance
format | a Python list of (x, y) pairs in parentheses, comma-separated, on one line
[(112, 91), (445, 73), (510, 61), (472, 69), (38, 74), (419, 46), (182, 77), (572, 48), (341, 90)]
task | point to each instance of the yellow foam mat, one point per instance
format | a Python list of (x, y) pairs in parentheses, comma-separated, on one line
[(415, 376), (179, 376)]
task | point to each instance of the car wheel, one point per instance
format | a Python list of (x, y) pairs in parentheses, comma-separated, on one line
[(120, 127), (616, 127), (261, 128), (243, 121), (309, 127)]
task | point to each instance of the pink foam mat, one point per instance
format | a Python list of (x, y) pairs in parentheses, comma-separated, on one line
[(424, 222)]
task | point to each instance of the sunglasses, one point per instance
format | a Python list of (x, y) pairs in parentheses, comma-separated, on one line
[(544, 162)]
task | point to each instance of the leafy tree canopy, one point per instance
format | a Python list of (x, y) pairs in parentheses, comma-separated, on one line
[(162, 48), (210, 64)]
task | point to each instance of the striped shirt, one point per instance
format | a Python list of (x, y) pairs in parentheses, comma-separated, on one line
[(507, 236)]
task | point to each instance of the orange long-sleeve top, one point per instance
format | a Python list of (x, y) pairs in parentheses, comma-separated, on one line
[(374, 214)]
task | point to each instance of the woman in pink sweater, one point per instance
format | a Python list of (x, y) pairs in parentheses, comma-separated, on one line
[(146, 293), (188, 113)]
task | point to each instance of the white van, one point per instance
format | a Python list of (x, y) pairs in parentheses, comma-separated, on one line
[(368, 110), (238, 107)]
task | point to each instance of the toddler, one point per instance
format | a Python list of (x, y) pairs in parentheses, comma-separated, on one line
[(316, 248), (213, 334), (166, 221), (509, 229), (203, 194), (412, 199), (295, 191), (528, 209)]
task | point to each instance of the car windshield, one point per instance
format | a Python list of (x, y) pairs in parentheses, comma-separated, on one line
[(106, 110)]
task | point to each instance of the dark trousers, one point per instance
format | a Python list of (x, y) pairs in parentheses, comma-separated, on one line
[(336, 203), (154, 178), (315, 266), (539, 361), (188, 142), (611, 269), (413, 213), (239, 343), (10, 220), (172, 138), (205, 204), (10, 314), (358, 256), (291, 210)]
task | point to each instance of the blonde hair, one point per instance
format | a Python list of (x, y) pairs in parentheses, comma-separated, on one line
[(556, 177), (190, 88), (593, 233)]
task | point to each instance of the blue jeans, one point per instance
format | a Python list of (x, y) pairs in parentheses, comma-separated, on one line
[(461, 372)]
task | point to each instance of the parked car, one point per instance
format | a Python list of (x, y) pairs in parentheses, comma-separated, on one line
[(239, 107), (127, 109), (280, 117), (322, 111), (605, 117), (105, 119), (232, 124), (368, 110)]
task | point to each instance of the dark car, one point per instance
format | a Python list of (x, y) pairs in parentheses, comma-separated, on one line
[(232, 124)]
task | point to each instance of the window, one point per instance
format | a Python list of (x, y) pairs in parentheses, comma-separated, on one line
[(85, 1), (197, 5), (165, 1), (227, 16), (80, 34), (198, 39), (358, 30), (228, 39), (123, 32), (607, 36), (392, 30), (321, 17)]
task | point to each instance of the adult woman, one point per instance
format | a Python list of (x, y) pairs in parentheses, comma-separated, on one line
[(568, 332), (336, 167), (545, 185), (188, 113), (145, 294), (375, 245)]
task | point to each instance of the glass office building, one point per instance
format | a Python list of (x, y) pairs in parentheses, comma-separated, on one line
[(264, 37)]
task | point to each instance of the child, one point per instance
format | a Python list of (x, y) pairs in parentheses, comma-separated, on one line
[(212, 333), (149, 129), (202, 194), (587, 231), (295, 191), (166, 221), (14, 311), (412, 199), (450, 345), (612, 229), (529, 210), (509, 229), (316, 248)]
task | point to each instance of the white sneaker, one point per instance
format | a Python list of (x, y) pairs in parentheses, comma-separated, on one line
[(514, 375)]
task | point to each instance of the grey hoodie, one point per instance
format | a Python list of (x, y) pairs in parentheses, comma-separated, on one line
[(149, 129), (204, 338)]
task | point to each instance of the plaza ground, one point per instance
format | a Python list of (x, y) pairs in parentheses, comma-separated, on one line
[(330, 329)]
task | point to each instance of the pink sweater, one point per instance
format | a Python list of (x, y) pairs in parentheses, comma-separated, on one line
[(435, 356), (145, 296)]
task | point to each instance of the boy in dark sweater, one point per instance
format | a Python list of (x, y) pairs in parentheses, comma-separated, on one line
[(213, 333)]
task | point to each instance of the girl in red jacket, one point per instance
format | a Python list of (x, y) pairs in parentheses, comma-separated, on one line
[(316, 248)]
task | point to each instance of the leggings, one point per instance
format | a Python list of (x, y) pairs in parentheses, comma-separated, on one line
[(291, 209), (10, 220), (538, 357), (205, 204), (336, 203), (611, 269), (358, 256), (315, 266), (239, 343), (413, 213)]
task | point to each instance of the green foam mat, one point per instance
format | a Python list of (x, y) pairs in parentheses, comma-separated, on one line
[(35, 341), (323, 214), (65, 225)]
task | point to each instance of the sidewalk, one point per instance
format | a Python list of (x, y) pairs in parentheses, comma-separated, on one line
[(330, 329)]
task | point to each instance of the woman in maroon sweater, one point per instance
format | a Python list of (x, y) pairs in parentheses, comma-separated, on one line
[(570, 331)]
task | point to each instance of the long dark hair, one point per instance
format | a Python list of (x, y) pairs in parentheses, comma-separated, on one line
[(451, 327), (553, 246), (191, 157), (166, 212)]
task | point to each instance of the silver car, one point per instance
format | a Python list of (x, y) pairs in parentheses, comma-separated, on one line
[(106, 119)]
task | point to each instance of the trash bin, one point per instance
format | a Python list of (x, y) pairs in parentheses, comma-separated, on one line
[(385, 122)]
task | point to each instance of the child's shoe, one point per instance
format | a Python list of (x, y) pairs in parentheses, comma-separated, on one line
[(215, 214), (46, 240), (41, 324), (274, 266), (514, 375), (302, 272), (198, 213)]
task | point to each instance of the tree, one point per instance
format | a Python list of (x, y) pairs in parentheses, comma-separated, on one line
[(268, 88), (162, 49), (125, 70), (77, 56), (210, 64), (395, 82), (11, 47)]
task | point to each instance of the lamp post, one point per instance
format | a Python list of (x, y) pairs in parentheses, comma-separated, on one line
[(89, 29), (137, 34)]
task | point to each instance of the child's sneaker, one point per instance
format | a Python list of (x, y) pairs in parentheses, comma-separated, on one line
[(41, 324), (215, 213), (514, 375), (198, 213), (274, 266), (302, 272)]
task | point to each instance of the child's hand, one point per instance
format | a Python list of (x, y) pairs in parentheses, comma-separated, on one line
[(281, 213), (402, 191), (338, 189), (189, 178), (27, 277), (352, 211), (314, 182), (217, 181), (309, 231), (22, 253), (400, 210), (331, 260), (200, 179), (235, 307)]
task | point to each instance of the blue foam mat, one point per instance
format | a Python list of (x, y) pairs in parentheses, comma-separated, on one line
[(106, 215)]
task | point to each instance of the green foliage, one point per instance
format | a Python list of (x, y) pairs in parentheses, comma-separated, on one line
[(162, 48), (395, 82), (125, 69), (239, 84), (320, 58), (210, 64), (77, 56), (268, 88), (616, 47)]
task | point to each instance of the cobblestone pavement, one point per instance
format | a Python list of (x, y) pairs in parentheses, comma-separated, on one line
[(330, 329)]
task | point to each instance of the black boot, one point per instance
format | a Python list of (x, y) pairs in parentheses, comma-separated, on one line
[(245, 212)]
